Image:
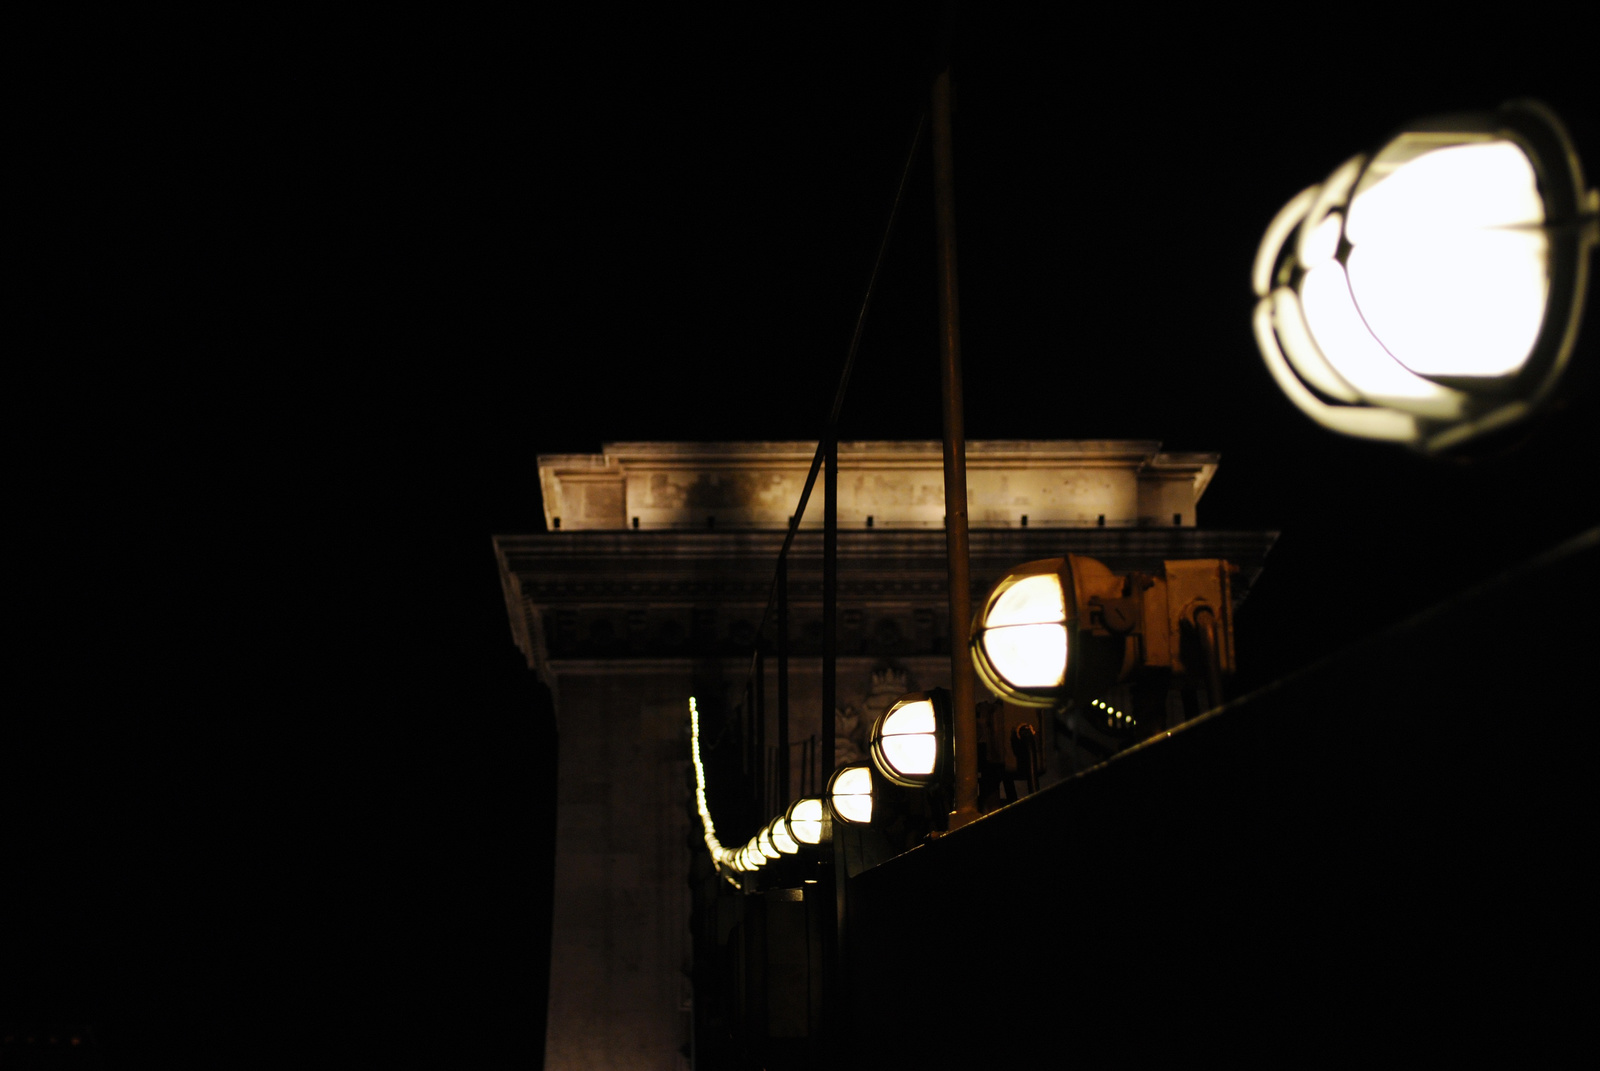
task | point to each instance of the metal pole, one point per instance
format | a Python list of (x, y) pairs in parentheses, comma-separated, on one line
[(760, 685), (830, 590), (955, 464), (783, 680), (753, 748)]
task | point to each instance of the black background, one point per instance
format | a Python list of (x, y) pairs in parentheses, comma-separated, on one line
[(310, 296)]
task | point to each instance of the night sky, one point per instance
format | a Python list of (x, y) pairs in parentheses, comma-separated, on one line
[(315, 295)]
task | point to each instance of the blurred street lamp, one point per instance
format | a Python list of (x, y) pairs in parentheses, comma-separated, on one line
[(782, 839), (1431, 291), (808, 821), (752, 856), (1069, 629)]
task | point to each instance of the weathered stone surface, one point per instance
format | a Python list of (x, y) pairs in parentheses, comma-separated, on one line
[(889, 484)]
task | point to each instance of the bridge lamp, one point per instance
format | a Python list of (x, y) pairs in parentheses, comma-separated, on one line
[(1069, 629), (807, 821), (1430, 292), (782, 839), (850, 794), (911, 741)]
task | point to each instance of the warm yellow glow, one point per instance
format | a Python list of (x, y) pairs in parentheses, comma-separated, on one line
[(852, 794), (1031, 600), (764, 842), (1329, 195), (720, 855), (1278, 232), (1022, 637), (782, 839), (908, 738), (1361, 421), (1028, 656), (806, 821), (1323, 242), (1290, 322), (1435, 258), (914, 717), (913, 756)]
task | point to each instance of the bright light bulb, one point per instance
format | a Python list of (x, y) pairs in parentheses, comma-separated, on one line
[(782, 839)]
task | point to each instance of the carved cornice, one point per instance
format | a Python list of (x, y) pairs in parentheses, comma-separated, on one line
[(608, 594)]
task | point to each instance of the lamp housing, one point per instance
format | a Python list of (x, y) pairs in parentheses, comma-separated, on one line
[(1067, 629), (849, 794), (810, 822), (912, 740), (1430, 291), (782, 839)]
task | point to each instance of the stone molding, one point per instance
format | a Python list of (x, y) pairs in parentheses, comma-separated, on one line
[(1010, 483), (664, 594)]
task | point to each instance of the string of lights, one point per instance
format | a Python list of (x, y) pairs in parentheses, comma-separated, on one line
[(720, 855)]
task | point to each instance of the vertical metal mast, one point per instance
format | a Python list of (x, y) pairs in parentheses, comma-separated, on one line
[(783, 681), (955, 463), (830, 596)]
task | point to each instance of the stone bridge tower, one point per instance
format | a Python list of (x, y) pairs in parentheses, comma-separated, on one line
[(649, 585)]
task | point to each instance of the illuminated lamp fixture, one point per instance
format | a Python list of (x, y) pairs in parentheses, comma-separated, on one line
[(1068, 629), (782, 839), (850, 794), (807, 822), (911, 740), (1431, 291), (764, 842)]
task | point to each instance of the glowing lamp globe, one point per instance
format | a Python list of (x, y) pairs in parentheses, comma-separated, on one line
[(764, 843), (782, 839), (850, 794), (1024, 639), (1431, 291), (805, 819), (911, 740)]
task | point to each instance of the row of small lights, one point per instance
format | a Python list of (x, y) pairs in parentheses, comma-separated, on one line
[(1113, 714)]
